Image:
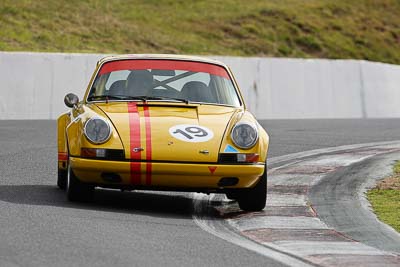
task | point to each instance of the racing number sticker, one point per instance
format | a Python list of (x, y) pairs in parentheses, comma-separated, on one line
[(191, 133)]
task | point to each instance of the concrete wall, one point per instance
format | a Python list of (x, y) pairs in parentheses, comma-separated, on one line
[(33, 86), (318, 88)]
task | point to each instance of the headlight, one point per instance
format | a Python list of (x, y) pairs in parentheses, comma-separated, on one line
[(97, 130), (244, 135)]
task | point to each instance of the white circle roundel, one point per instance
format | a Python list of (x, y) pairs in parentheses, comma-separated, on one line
[(191, 133)]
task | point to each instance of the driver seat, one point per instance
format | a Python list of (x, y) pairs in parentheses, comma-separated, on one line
[(139, 82), (197, 92)]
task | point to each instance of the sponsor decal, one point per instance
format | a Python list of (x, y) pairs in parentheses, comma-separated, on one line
[(191, 133), (212, 169), (144, 64), (230, 149)]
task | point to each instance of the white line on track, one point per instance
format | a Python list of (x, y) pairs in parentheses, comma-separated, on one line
[(219, 228)]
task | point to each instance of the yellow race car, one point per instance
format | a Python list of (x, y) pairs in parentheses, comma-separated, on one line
[(162, 122)]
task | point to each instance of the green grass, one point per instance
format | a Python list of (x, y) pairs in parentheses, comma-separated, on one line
[(385, 199), (362, 29)]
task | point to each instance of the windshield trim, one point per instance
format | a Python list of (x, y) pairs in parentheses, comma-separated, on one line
[(228, 71)]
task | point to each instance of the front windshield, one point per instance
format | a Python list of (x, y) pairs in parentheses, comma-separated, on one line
[(164, 80)]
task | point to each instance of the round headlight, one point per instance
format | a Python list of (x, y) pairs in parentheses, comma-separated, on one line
[(97, 130), (244, 135)]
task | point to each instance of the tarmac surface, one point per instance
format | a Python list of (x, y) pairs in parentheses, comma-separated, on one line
[(40, 228), (339, 201)]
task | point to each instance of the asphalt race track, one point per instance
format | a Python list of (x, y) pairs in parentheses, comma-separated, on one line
[(40, 228)]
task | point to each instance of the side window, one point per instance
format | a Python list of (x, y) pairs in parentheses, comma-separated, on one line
[(225, 91), (116, 76), (231, 95)]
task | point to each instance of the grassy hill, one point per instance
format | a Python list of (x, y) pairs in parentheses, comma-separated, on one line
[(362, 29)]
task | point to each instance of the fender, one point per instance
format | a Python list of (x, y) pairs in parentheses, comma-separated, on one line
[(62, 146)]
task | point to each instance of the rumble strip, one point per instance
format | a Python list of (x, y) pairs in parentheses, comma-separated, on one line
[(289, 229)]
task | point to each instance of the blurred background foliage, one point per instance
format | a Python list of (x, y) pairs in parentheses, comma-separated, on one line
[(362, 29)]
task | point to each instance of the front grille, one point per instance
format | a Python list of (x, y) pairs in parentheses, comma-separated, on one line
[(227, 158), (115, 154)]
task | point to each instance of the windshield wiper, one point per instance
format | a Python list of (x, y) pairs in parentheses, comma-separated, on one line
[(146, 98), (117, 97), (143, 98), (170, 98)]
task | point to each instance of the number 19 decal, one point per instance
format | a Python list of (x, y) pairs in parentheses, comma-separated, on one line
[(191, 133)]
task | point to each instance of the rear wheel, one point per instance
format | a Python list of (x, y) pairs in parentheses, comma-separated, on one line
[(254, 199), (76, 190), (62, 179)]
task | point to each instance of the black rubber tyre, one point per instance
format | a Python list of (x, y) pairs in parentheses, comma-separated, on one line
[(62, 179), (76, 190), (254, 199), (232, 195)]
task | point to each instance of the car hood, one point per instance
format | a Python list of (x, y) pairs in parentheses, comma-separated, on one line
[(169, 132)]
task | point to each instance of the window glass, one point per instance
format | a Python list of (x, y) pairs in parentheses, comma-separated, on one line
[(116, 76), (164, 80)]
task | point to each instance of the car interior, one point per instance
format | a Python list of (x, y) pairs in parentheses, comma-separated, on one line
[(147, 83)]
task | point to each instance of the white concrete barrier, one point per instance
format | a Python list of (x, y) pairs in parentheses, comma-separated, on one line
[(33, 86)]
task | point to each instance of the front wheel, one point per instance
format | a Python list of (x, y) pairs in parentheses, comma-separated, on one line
[(76, 190), (254, 199)]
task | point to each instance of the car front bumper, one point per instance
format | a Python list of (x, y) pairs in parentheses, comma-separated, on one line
[(164, 174)]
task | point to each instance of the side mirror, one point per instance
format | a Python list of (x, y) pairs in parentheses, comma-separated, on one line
[(71, 100)]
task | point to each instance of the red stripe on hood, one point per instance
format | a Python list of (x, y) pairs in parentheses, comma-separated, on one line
[(148, 144), (134, 125)]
